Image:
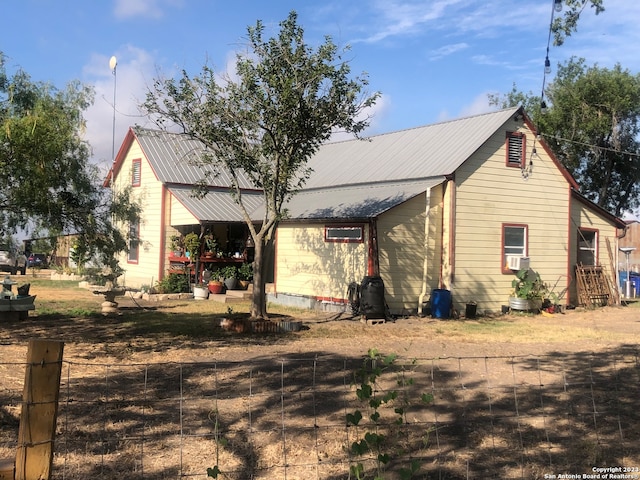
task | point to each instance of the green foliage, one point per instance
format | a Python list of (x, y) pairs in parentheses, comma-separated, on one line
[(529, 285), (245, 271), (213, 472), (192, 244), (567, 23), (173, 283), (263, 125), (228, 271), (591, 124), (176, 243), (373, 442), (47, 183)]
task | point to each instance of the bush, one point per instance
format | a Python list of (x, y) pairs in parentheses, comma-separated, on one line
[(173, 283)]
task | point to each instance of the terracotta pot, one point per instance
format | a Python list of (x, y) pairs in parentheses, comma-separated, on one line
[(215, 287)]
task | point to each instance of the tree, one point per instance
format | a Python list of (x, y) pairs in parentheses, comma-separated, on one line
[(592, 125), (286, 99), (563, 26), (46, 181)]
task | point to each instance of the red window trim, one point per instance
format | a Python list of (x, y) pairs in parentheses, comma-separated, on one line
[(523, 157), (526, 244), (596, 258), (344, 240), (134, 162)]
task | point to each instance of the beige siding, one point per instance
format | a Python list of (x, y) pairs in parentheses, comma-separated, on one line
[(490, 194), (180, 215), (583, 217), (149, 193), (307, 265), (401, 247)]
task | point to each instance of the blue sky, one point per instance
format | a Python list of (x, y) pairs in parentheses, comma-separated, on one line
[(432, 60)]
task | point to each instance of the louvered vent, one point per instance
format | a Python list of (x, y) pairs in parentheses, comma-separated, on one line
[(515, 149)]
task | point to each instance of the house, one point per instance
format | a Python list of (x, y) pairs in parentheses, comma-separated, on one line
[(160, 170), (458, 205)]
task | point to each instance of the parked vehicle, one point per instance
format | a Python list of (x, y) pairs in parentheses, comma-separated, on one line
[(13, 261), (38, 260)]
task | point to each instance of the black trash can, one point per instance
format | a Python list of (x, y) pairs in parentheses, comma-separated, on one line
[(372, 304)]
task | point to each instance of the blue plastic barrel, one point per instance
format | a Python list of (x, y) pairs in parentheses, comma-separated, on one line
[(440, 303)]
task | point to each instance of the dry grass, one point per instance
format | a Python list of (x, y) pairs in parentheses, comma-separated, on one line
[(128, 374)]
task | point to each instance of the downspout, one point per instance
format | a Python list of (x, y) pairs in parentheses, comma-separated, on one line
[(163, 236), (373, 262), (425, 250), (452, 230)]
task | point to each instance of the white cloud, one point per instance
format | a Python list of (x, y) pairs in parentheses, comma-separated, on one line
[(480, 104), (134, 72), (404, 18), (447, 50), (125, 9)]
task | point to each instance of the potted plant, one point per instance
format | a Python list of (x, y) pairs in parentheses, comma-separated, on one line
[(176, 245), (210, 245), (528, 291), (230, 275), (245, 275), (192, 245), (200, 291)]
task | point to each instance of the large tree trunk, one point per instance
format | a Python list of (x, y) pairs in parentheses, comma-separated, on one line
[(259, 297)]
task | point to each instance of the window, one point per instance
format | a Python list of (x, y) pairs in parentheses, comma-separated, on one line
[(134, 242), (348, 234), (136, 171), (514, 242), (516, 149), (587, 246)]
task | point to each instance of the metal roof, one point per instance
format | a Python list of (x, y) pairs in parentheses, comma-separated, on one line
[(355, 201), (354, 178), (422, 152), (174, 158), (218, 205)]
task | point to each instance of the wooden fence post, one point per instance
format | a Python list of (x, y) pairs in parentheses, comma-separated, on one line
[(36, 434), (6, 469)]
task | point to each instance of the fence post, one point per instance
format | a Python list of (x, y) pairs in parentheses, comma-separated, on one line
[(36, 434), (6, 469)]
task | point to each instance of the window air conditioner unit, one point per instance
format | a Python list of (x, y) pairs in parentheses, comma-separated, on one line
[(516, 262)]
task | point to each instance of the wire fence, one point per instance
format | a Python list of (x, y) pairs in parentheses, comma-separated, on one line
[(489, 417)]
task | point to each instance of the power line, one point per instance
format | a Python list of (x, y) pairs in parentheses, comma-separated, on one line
[(590, 145)]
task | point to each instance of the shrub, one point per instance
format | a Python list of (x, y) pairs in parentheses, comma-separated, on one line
[(173, 283)]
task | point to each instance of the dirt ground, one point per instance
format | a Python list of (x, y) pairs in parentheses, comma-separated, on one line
[(330, 333), (489, 378)]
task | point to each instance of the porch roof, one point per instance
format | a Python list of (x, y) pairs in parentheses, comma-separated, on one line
[(356, 200), (217, 205)]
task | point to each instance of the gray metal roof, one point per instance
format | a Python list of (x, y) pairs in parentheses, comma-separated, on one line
[(174, 157), (355, 201), (354, 178), (422, 152), (217, 205)]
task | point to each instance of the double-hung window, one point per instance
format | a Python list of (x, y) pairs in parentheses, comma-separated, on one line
[(134, 242), (587, 246), (514, 242)]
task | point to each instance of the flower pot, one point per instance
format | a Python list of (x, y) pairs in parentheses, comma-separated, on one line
[(215, 287), (244, 284), (200, 293), (231, 283), (525, 304)]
